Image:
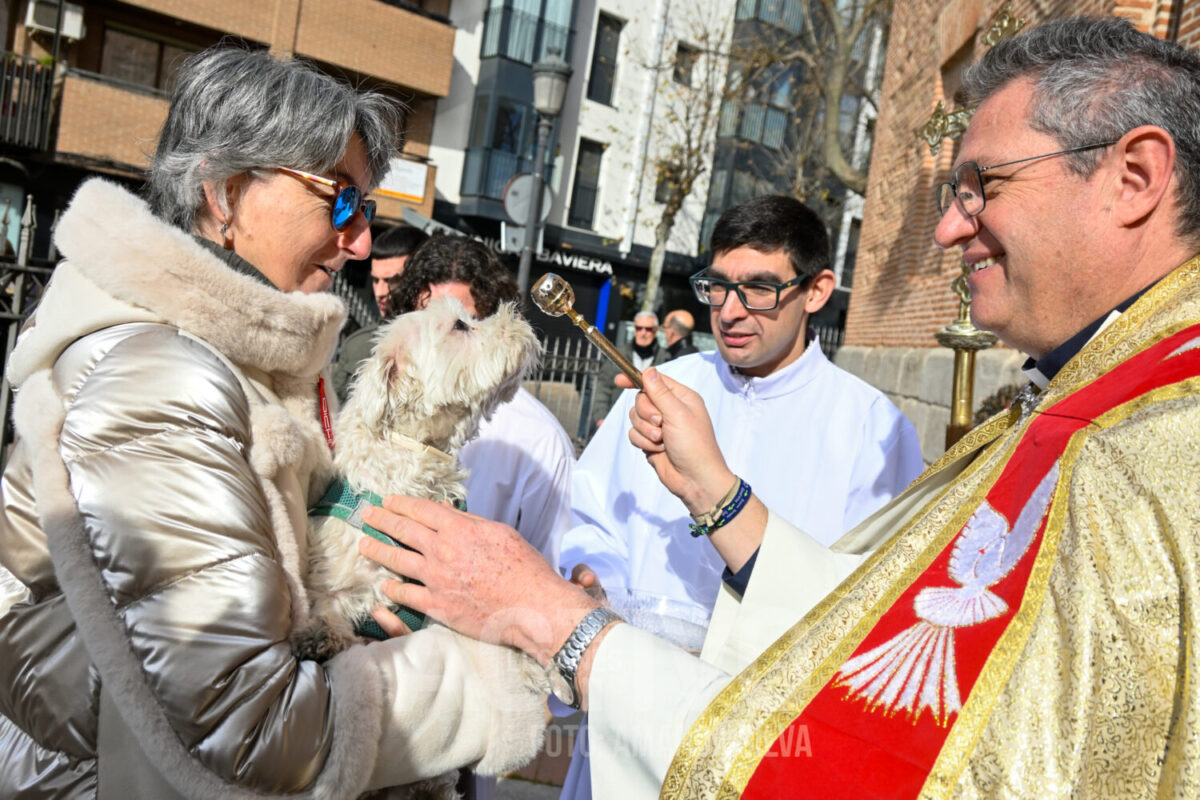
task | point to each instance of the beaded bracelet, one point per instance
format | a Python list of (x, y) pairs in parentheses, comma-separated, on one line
[(728, 508)]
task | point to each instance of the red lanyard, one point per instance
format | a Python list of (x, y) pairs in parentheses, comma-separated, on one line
[(326, 423)]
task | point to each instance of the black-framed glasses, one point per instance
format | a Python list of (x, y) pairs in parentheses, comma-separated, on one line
[(347, 199), (755, 295), (967, 186)]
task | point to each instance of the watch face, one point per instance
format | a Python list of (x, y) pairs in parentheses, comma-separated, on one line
[(561, 687)]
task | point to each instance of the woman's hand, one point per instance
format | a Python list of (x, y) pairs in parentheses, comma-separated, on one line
[(583, 576), (388, 622), (480, 577), (671, 425)]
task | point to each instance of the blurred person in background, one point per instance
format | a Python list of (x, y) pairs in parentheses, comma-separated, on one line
[(677, 330), (643, 351), (389, 252)]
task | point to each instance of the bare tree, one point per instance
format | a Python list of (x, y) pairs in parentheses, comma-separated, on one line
[(832, 47), (691, 81)]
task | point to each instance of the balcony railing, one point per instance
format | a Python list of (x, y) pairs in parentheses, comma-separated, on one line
[(26, 92)]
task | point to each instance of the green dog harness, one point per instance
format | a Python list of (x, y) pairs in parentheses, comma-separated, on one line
[(347, 506)]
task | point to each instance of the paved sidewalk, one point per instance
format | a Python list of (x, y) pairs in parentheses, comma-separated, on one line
[(542, 778), (517, 789)]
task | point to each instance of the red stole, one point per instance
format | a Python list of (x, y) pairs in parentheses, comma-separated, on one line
[(877, 727)]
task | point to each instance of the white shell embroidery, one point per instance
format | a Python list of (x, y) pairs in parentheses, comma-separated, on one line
[(915, 670)]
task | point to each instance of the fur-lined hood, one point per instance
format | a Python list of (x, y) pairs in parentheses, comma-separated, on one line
[(119, 254)]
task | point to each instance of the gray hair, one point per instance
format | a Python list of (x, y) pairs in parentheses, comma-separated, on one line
[(236, 110), (650, 314), (1094, 81)]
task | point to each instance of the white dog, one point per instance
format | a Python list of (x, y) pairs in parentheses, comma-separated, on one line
[(433, 376)]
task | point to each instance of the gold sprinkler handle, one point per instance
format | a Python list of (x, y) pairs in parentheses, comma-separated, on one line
[(608, 348), (554, 296)]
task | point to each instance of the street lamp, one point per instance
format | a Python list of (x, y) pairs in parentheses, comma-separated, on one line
[(550, 78)]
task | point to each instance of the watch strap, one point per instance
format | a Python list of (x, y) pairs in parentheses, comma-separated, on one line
[(567, 659)]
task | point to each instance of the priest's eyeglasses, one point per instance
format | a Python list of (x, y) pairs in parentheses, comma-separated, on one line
[(967, 186), (755, 295)]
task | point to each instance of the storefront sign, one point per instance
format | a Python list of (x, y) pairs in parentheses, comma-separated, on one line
[(405, 181), (559, 258)]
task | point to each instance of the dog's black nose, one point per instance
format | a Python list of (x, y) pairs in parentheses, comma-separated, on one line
[(459, 325)]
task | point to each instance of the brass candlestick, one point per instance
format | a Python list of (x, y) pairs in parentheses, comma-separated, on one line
[(554, 296), (965, 340), (961, 336)]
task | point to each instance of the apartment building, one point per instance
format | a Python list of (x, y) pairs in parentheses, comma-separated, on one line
[(768, 133), (101, 109), (605, 146)]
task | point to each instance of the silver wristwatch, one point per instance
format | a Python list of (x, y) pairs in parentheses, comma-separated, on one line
[(562, 668)]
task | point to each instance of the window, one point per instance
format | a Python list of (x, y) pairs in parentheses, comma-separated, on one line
[(139, 59), (668, 183), (527, 30), (779, 90), (604, 59), (706, 229), (792, 17), (770, 11), (743, 187), (774, 129), (716, 189), (729, 118), (747, 185), (500, 144), (851, 253), (686, 57), (587, 179), (752, 123), (479, 121), (786, 14), (506, 132)]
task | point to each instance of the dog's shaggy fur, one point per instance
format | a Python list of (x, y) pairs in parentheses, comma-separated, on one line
[(432, 377)]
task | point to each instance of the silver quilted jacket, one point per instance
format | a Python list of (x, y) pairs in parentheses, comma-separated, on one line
[(152, 541)]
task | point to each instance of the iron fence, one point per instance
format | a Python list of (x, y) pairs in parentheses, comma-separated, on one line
[(565, 383), (830, 338), (26, 93), (358, 307), (23, 277)]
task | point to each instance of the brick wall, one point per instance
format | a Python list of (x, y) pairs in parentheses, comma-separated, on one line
[(115, 127), (1189, 25), (250, 20), (108, 124), (902, 292), (419, 126), (374, 38)]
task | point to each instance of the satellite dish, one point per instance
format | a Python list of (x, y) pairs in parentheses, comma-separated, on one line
[(518, 197)]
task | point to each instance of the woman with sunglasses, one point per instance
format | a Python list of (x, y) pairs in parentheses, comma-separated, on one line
[(172, 429)]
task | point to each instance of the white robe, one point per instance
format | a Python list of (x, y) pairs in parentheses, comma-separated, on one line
[(521, 465), (821, 448)]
